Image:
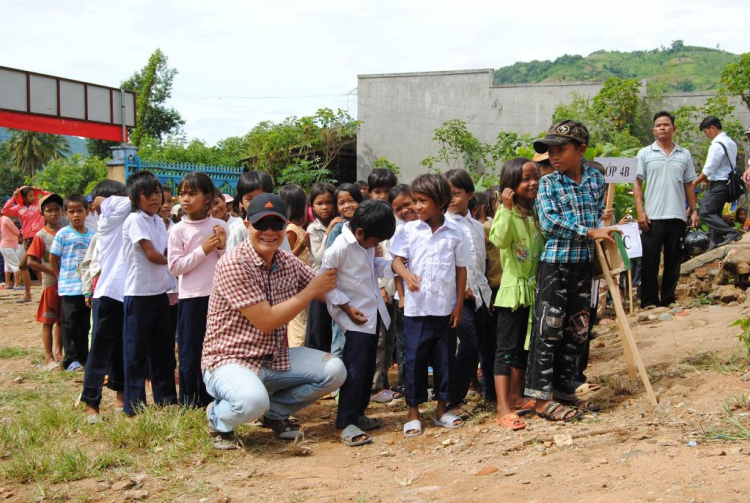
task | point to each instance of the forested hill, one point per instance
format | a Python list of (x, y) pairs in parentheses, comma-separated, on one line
[(678, 68)]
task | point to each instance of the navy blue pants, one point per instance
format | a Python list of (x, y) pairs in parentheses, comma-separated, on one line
[(75, 322), (105, 356), (399, 346), (359, 359), (319, 331), (147, 349), (191, 330), (427, 339), (472, 349)]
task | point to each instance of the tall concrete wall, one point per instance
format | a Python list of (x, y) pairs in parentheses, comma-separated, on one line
[(400, 112)]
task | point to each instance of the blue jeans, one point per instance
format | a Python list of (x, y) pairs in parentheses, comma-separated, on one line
[(338, 341), (242, 396)]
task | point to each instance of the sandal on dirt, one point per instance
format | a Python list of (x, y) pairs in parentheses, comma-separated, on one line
[(587, 387), (511, 422), (368, 423), (285, 429), (526, 408), (448, 420), (555, 411), (582, 405), (415, 425), (384, 396), (351, 433)]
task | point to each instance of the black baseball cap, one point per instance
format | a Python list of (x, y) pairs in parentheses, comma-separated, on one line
[(264, 205), (561, 133), (50, 198)]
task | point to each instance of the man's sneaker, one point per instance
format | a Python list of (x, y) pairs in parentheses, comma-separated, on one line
[(74, 366), (224, 441)]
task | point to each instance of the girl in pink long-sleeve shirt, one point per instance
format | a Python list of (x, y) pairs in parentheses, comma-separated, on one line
[(195, 245)]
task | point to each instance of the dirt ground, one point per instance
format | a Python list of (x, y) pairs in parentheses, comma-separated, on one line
[(629, 451)]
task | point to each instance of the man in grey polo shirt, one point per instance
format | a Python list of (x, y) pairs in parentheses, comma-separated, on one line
[(668, 171), (720, 161)]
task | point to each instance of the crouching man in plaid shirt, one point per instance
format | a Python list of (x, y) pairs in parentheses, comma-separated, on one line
[(247, 365)]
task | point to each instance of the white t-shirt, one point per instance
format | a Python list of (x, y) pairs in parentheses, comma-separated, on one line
[(115, 210), (143, 277)]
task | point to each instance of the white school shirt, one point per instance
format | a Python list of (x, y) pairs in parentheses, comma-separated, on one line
[(357, 282), (115, 210), (475, 277), (719, 164), (143, 277), (433, 257)]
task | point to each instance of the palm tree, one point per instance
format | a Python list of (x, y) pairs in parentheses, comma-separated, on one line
[(30, 150)]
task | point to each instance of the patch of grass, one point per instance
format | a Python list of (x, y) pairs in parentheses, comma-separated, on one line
[(722, 363), (14, 352), (739, 402), (735, 428), (744, 324)]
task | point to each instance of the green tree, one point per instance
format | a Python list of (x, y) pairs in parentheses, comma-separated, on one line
[(383, 163), (77, 175), (100, 148), (153, 85), (736, 79), (459, 149), (29, 150)]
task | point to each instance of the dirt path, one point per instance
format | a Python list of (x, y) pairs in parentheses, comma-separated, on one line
[(629, 451)]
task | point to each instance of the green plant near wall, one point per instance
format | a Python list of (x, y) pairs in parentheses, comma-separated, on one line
[(744, 324), (305, 173), (383, 163)]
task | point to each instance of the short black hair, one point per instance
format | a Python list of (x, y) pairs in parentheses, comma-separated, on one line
[(142, 183), (375, 218), (361, 183), (381, 178), (76, 198), (166, 188), (435, 187), (664, 113), (710, 121), (252, 180), (295, 200), (197, 181), (397, 191), (353, 191), (108, 188), (482, 200), (460, 179)]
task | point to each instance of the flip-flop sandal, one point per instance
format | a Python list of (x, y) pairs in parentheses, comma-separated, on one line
[(415, 425), (448, 420), (587, 387), (557, 412), (510, 422), (526, 408), (384, 396), (23, 300), (368, 423), (351, 432), (285, 429)]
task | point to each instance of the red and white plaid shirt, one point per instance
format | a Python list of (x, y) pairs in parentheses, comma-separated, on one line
[(242, 279)]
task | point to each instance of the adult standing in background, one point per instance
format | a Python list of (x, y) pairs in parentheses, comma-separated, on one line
[(720, 161), (668, 171)]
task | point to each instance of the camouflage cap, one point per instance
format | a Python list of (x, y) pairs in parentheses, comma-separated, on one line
[(560, 133)]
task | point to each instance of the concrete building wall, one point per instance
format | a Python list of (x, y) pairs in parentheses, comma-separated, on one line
[(400, 112)]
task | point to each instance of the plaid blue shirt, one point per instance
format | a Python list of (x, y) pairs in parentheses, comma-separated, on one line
[(566, 212)]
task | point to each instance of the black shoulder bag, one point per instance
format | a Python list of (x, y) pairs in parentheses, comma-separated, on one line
[(735, 184)]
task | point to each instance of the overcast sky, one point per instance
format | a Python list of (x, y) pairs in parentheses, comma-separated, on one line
[(307, 54)]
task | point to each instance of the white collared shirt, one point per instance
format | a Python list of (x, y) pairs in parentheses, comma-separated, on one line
[(718, 165), (143, 277), (434, 258), (476, 280), (115, 210), (357, 282)]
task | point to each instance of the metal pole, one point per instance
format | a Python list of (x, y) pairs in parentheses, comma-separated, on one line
[(122, 115)]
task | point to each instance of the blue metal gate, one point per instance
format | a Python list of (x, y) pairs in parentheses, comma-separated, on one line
[(224, 177)]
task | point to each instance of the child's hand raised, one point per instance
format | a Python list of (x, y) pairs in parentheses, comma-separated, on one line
[(222, 235), (412, 282), (211, 243), (337, 220), (507, 197)]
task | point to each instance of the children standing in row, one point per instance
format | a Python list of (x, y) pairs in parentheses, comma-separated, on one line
[(195, 245), (515, 232), (146, 338), (358, 309), (437, 255), (66, 256), (48, 313)]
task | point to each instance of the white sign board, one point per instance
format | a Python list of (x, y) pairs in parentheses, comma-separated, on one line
[(619, 169), (631, 238)]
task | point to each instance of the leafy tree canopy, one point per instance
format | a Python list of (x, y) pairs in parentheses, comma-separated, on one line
[(29, 151), (77, 175)]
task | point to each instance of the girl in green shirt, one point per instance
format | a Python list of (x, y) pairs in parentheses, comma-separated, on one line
[(516, 233)]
